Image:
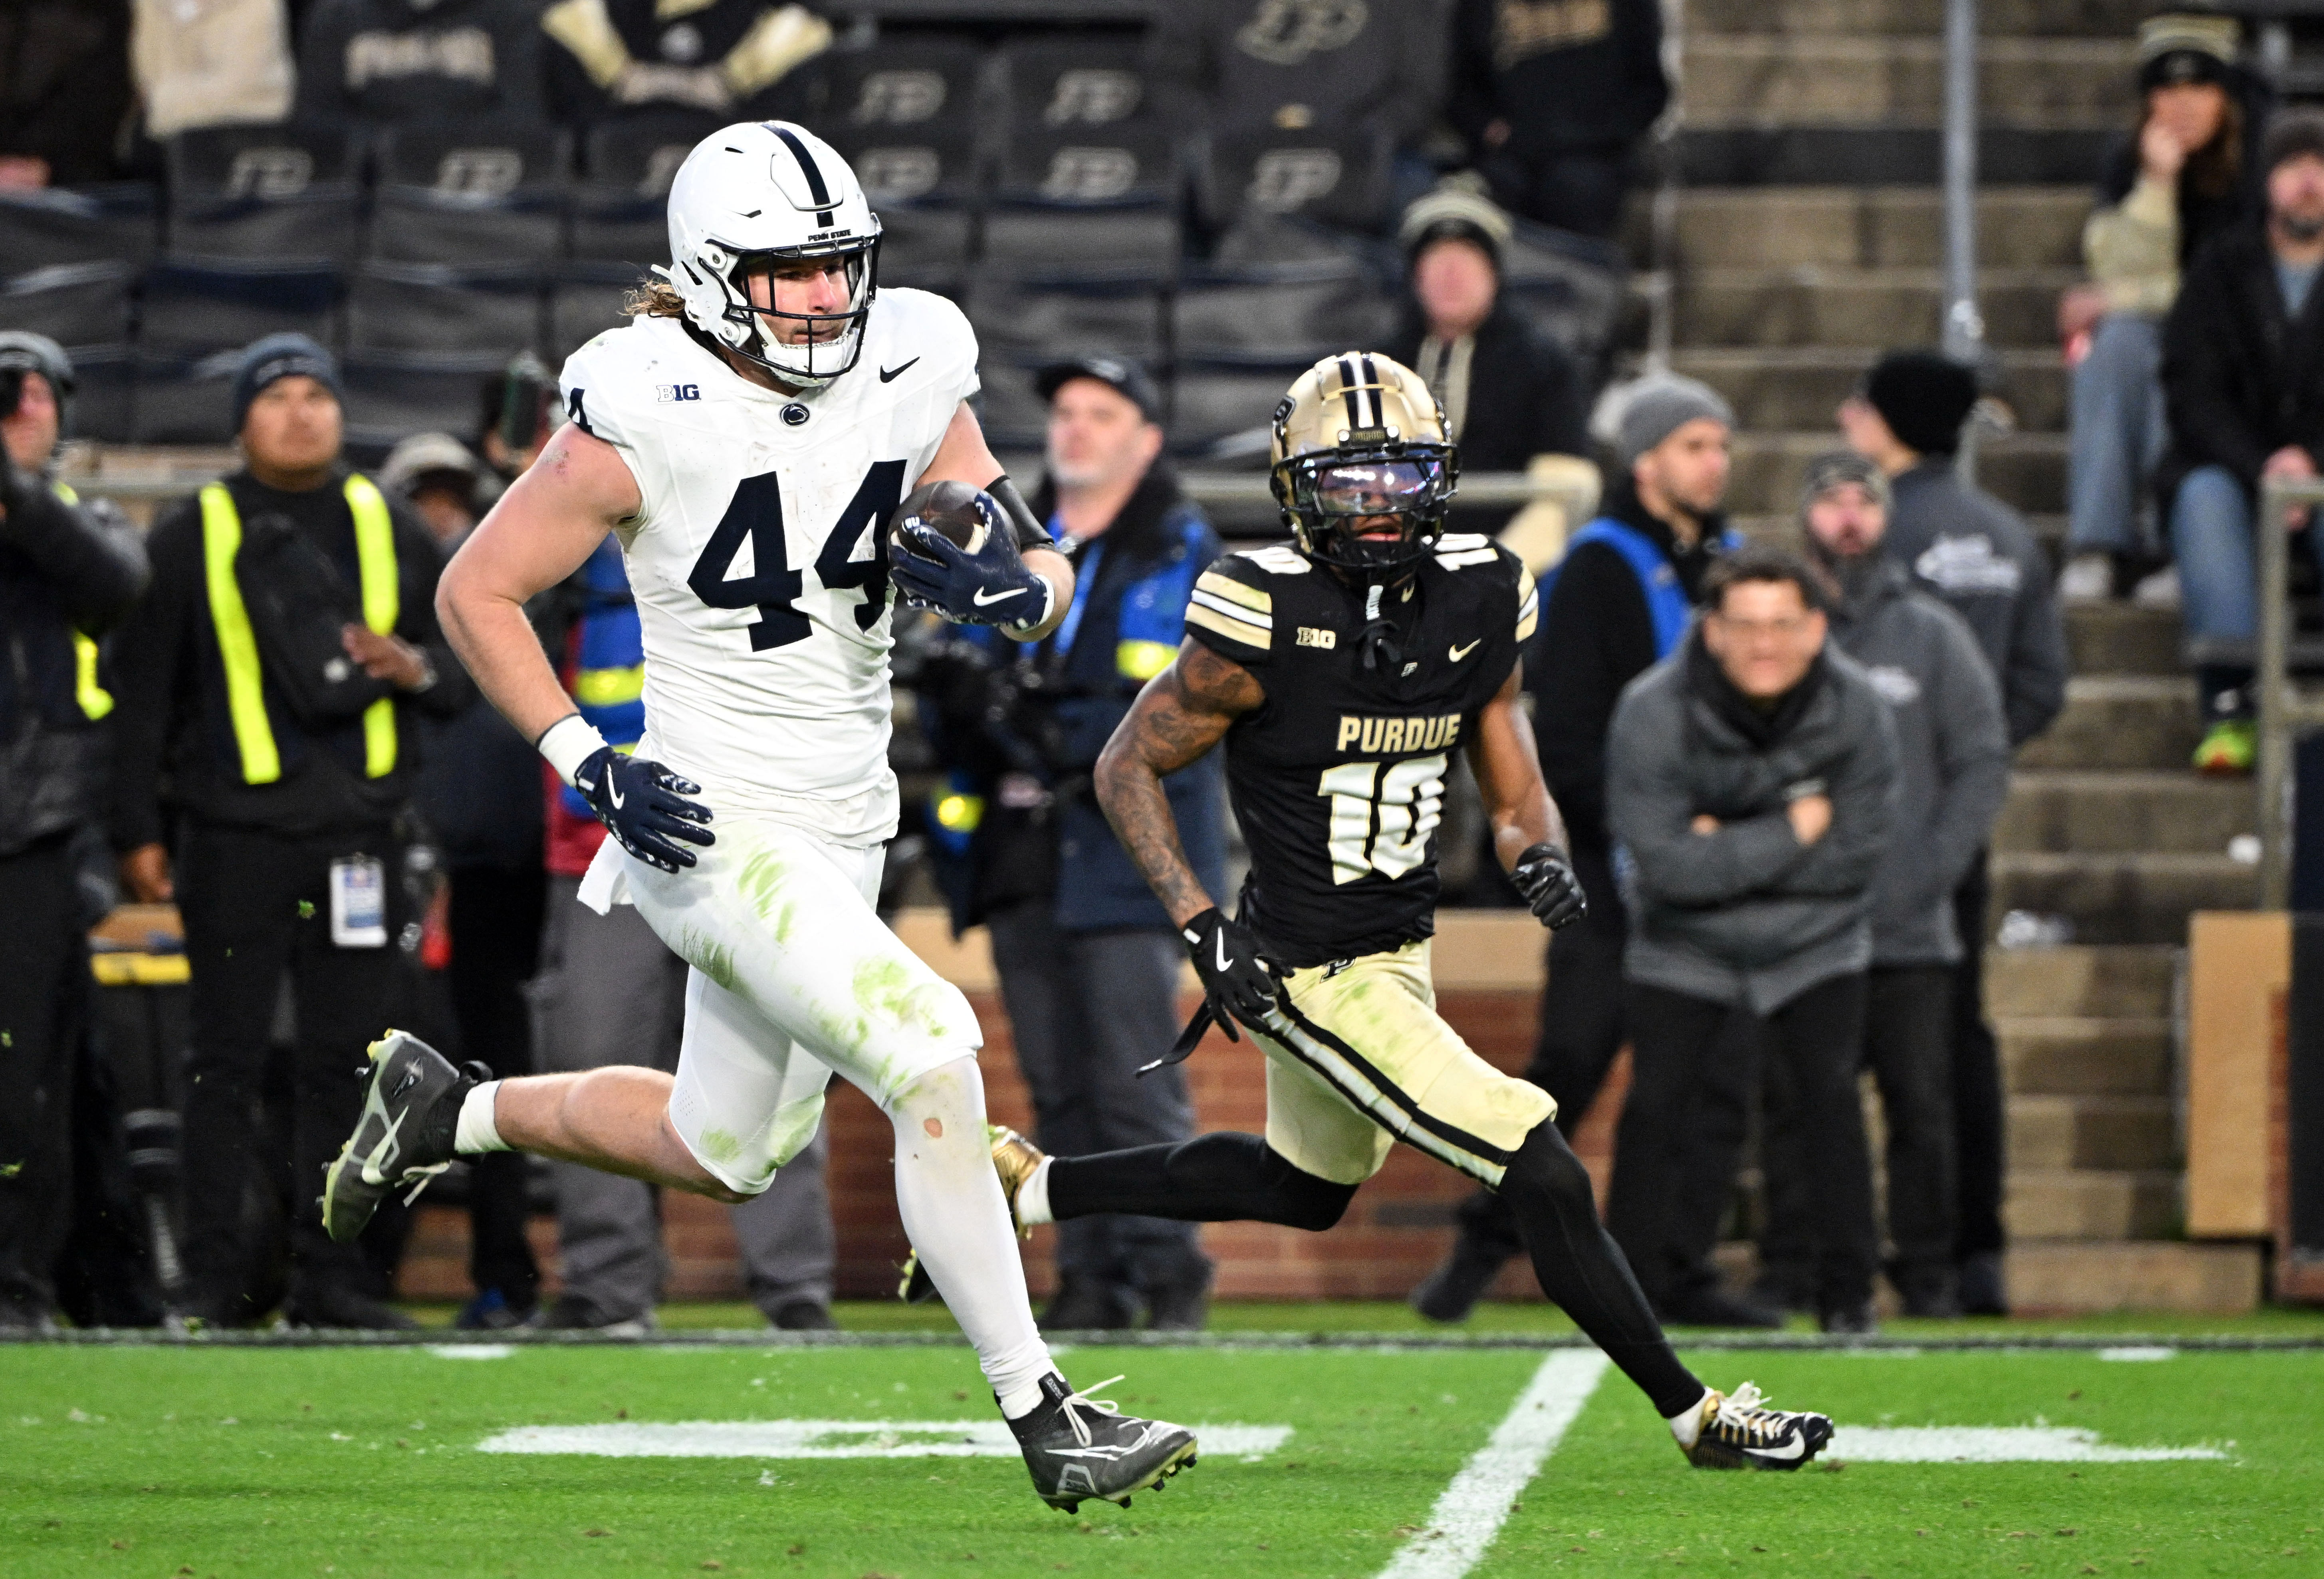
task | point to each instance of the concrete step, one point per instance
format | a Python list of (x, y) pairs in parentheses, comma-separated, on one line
[(2107, 1133), (2068, 1277), (1999, 18), (2024, 470), (1893, 155), (1873, 79), (1874, 228), (1798, 387), (2124, 810), (2085, 1057), (2119, 721), (2118, 638), (2122, 899), (2083, 1202), (1823, 304), (2040, 988)]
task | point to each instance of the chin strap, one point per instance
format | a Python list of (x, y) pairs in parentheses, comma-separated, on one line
[(1376, 640)]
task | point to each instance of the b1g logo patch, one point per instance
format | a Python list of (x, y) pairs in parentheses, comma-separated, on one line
[(1309, 636), (667, 392)]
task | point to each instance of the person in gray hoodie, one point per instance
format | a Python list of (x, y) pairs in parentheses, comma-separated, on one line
[(1953, 752), (1750, 780)]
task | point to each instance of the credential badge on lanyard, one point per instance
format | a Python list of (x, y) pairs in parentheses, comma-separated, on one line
[(358, 902)]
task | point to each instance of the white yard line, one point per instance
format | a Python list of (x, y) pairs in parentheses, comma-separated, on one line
[(1473, 1508)]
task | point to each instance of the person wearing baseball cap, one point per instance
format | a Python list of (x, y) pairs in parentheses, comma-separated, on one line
[(1088, 959), (269, 689), (2243, 378), (2182, 175)]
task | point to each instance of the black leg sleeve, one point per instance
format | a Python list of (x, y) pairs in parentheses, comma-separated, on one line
[(1582, 1268), (1224, 1178)]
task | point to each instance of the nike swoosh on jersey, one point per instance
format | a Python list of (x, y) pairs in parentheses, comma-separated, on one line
[(887, 374), (1461, 652), (984, 602)]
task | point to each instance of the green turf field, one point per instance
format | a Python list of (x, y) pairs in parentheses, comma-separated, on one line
[(155, 1461)]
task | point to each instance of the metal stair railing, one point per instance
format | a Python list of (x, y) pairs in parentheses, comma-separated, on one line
[(2284, 710)]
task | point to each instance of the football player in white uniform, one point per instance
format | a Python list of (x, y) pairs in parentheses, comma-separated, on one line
[(747, 436)]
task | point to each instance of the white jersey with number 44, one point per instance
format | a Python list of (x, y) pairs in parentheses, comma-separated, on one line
[(758, 559)]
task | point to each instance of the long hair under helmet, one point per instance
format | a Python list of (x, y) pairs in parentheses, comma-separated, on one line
[(1360, 440), (755, 195)]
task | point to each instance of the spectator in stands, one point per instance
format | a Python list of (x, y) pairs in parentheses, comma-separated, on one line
[(1749, 779), (1618, 605), (610, 992), (1980, 557), (1511, 396), (2243, 376), (437, 476), (64, 91), (1553, 100), (1953, 771), (269, 690), (729, 59), (2183, 175), (1240, 66), (421, 62), (1089, 962), (212, 62), (67, 572)]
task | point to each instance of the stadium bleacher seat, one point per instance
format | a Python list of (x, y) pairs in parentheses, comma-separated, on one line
[(280, 193), (1087, 177), (391, 395), (104, 382), (1283, 315), (1570, 288), (585, 299), (1339, 178), (74, 304), (1085, 80), (479, 194), (95, 225), (436, 307), (1011, 410), (620, 204), (1043, 320), (194, 306), (906, 115), (1210, 405), (184, 399)]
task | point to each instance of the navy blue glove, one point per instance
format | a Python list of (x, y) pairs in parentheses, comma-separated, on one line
[(643, 804), (990, 586), (1552, 891)]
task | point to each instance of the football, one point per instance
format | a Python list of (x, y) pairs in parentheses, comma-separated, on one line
[(953, 511)]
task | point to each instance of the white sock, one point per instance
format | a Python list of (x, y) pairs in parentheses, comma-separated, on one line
[(958, 1221), (1033, 1197), (1687, 1425), (477, 1131)]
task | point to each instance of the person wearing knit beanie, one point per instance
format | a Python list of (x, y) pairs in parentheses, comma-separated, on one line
[(1661, 404), (1924, 397), (278, 356)]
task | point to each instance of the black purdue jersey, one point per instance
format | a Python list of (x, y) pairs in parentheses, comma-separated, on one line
[(1338, 779)]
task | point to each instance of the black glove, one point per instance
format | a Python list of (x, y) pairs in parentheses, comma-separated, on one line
[(644, 806), (1552, 892), (1243, 983), (990, 586)]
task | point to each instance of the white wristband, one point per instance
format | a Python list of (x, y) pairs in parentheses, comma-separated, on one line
[(569, 743), (1048, 606)]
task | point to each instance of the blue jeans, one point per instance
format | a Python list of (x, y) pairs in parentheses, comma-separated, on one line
[(2116, 435), (2211, 528)]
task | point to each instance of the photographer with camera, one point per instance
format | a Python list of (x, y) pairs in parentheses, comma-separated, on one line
[(268, 689), (1089, 963), (67, 572)]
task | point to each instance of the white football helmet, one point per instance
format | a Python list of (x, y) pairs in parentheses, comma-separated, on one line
[(748, 197)]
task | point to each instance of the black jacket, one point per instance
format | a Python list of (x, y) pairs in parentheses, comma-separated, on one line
[(174, 743), (1234, 65), (64, 84), (1595, 636), (662, 65), (1524, 400), (1564, 77), (63, 568), (393, 62), (2241, 376)]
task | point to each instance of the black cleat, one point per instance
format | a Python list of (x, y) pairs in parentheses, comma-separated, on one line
[(1739, 1432), (1077, 1446), (411, 1114)]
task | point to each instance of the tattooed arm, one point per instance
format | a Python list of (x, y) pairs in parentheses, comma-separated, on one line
[(1182, 713), (1501, 755)]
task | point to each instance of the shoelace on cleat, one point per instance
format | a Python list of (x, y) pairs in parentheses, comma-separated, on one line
[(1100, 1406), (426, 1175), (1743, 1411)]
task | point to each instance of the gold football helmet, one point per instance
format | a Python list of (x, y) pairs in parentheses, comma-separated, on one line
[(1361, 464)]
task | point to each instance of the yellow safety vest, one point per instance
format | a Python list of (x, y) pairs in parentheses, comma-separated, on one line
[(95, 700), (238, 647)]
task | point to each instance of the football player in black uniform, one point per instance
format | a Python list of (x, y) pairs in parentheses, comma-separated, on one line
[(1342, 671)]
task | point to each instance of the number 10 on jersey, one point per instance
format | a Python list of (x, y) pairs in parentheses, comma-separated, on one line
[(1382, 821)]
